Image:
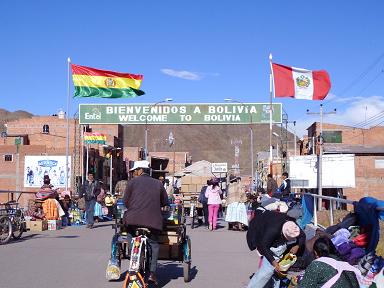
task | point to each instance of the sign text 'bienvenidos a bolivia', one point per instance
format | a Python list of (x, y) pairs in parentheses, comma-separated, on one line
[(167, 113)]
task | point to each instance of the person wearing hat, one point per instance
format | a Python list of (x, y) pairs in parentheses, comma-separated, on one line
[(47, 183), (236, 215), (273, 234), (144, 197)]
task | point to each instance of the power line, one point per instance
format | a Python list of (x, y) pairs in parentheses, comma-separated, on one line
[(360, 77), (370, 120)]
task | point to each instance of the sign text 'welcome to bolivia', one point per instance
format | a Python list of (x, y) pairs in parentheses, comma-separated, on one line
[(167, 113)]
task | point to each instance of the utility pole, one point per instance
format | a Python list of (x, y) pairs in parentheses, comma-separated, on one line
[(320, 157)]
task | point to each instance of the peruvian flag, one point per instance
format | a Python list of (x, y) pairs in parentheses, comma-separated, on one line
[(300, 83)]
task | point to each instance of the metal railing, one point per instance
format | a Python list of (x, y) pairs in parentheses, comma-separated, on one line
[(332, 201)]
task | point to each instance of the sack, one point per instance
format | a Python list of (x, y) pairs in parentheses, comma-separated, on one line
[(50, 209)]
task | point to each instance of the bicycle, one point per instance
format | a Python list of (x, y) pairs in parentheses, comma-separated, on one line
[(5, 229), (139, 262), (16, 215)]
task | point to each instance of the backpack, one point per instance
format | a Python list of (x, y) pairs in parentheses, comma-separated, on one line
[(202, 199)]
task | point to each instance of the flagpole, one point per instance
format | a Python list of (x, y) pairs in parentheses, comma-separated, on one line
[(67, 144), (270, 115)]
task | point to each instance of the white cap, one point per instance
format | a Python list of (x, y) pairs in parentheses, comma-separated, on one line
[(140, 164)]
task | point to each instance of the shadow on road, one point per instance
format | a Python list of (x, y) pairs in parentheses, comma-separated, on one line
[(68, 236), (167, 271), (25, 238)]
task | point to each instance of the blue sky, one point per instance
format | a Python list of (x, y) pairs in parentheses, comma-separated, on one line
[(196, 51)]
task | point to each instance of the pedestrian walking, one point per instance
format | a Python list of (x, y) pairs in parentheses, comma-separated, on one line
[(285, 187), (204, 201), (121, 185), (236, 215), (213, 193), (90, 190), (271, 185)]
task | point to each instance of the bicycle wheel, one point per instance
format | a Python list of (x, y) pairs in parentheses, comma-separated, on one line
[(187, 259), (18, 226), (5, 229)]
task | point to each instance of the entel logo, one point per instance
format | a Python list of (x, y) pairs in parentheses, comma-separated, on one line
[(92, 116)]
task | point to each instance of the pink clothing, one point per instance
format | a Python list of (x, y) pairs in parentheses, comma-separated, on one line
[(213, 210), (213, 195)]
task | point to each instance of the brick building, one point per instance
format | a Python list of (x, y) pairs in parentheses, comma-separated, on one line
[(366, 144), (46, 136)]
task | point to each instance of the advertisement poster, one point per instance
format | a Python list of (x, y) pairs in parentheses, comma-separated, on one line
[(36, 167)]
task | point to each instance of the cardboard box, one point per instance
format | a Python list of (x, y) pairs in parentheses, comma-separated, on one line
[(54, 225), (186, 180), (184, 188), (169, 237), (37, 225), (204, 180), (196, 180), (168, 251), (192, 188)]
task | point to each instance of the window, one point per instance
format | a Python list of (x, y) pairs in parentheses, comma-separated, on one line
[(8, 157), (332, 137), (379, 163)]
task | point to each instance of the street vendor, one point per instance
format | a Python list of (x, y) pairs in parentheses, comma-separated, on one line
[(274, 234)]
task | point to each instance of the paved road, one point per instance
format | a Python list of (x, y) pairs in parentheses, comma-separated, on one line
[(77, 257)]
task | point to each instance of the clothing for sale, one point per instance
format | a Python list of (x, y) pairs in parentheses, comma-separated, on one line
[(98, 212), (265, 233), (368, 217), (144, 198), (349, 220), (340, 237), (377, 204), (327, 272), (308, 210), (379, 279)]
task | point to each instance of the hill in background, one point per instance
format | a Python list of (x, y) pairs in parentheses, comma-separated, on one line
[(6, 116), (214, 143)]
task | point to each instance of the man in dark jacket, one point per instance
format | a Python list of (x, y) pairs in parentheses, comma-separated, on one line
[(285, 187), (273, 234), (271, 185), (144, 197), (204, 201), (90, 190)]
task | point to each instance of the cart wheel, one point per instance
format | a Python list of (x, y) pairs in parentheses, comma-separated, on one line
[(187, 271), (193, 222)]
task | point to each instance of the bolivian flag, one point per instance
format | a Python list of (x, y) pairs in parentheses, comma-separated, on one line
[(91, 82)]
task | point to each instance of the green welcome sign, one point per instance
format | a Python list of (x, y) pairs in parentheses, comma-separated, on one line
[(167, 113)]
